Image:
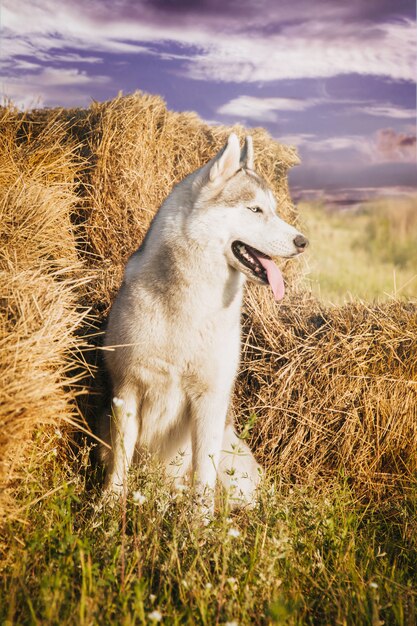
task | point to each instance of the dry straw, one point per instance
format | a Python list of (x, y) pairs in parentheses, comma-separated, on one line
[(40, 277), (331, 389)]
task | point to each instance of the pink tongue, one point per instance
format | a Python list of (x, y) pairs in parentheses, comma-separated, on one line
[(274, 277)]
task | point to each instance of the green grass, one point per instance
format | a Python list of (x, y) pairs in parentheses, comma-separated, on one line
[(368, 255), (303, 556)]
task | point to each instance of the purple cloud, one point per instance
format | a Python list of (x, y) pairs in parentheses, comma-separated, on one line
[(392, 146)]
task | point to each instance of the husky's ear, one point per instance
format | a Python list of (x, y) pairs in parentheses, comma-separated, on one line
[(246, 156), (227, 161)]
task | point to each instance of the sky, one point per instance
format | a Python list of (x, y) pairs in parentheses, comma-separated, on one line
[(335, 78)]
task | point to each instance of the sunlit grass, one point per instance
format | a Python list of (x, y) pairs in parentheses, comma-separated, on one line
[(303, 556), (368, 255)]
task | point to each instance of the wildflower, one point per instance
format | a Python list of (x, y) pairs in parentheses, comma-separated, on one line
[(138, 497), (373, 585), (152, 597), (155, 616), (208, 586), (231, 580), (118, 402), (234, 532)]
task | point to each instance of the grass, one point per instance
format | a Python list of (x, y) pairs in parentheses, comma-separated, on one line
[(368, 255), (303, 556)]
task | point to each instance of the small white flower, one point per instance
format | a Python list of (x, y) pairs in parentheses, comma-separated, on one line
[(231, 580), (58, 433), (138, 497), (234, 532), (152, 597), (373, 585), (208, 586), (119, 402), (155, 616), (55, 452)]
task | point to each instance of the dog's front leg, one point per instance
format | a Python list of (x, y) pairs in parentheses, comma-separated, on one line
[(124, 434), (208, 421)]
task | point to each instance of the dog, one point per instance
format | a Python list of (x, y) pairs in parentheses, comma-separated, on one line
[(172, 344)]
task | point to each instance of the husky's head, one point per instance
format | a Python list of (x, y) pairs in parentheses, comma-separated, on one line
[(248, 224)]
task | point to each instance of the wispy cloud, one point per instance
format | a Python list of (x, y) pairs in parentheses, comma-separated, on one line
[(267, 109), (315, 143), (45, 86), (302, 52), (262, 109), (386, 110)]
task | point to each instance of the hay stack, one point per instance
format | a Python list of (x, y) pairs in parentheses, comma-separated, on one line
[(333, 389), (40, 276)]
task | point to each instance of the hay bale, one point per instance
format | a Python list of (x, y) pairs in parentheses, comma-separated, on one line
[(333, 390), (40, 279)]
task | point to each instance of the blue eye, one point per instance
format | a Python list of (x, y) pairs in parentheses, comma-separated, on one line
[(254, 209)]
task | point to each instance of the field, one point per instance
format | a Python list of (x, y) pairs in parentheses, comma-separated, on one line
[(368, 253), (326, 395)]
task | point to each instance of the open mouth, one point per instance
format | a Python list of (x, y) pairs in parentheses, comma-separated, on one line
[(261, 266), (249, 257)]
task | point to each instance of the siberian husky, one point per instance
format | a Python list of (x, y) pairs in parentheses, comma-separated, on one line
[(173, 335)]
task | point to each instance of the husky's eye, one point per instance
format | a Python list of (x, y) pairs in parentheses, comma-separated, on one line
[(254, 209)]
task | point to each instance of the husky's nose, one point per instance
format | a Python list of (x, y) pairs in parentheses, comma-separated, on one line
[(300, 243)]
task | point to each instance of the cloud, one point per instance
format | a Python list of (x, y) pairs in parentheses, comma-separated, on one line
[(331, 144), (267, 109), (268, 45), (386, 110), (261, 109), (298, 141), (391, 146), (305, 51), (45, 86), (312, 144)]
